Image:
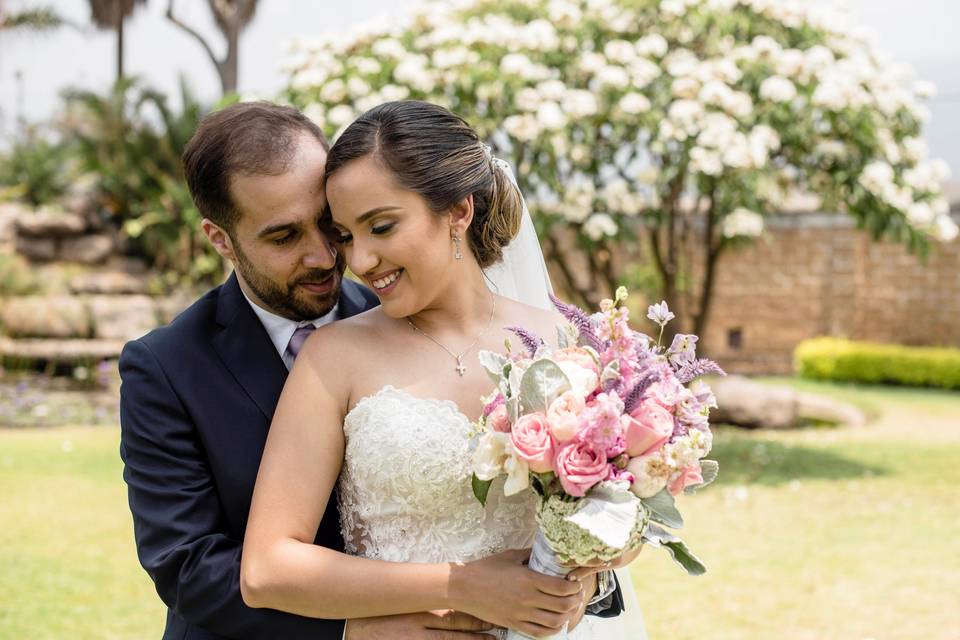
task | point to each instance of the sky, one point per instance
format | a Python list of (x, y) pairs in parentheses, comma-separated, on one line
[(34, 68)]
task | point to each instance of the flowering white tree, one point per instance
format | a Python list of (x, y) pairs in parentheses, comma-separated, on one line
[(645, 123)]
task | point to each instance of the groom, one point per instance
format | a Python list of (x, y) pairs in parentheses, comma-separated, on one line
[(198, 395)]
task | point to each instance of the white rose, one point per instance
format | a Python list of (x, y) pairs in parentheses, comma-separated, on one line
[(583, 381), (650, 475), (490, 455)]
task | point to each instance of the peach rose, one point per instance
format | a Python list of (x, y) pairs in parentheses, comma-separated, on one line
[(533, 443), (563, 416), (688, 476)]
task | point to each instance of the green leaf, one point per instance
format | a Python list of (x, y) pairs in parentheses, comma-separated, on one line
[(657, 537), (682, 555), (540, 385), (709, 470), (481, 488), (494, 363), (663, 510)]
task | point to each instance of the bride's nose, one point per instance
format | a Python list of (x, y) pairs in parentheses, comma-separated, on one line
[(360, 258)]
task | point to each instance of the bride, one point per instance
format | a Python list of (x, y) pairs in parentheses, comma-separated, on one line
[(380, 406)]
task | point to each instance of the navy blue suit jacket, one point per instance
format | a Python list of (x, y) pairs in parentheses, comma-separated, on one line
[(195, 406)]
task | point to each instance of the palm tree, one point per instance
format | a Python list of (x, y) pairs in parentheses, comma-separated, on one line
[(111, 14), (232, 16), (39, 19)]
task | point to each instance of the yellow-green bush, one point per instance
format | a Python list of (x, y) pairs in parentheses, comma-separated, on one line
[(840, 359)]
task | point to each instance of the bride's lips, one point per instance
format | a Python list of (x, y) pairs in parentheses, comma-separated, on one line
[(320, 288), (387, 279)]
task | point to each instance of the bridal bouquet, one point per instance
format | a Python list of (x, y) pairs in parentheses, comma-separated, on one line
[(607, 428)]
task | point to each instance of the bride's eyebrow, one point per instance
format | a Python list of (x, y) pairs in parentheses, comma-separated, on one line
[(369, 214)]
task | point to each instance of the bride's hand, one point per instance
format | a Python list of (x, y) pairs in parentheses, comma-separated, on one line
[(596, 566), (502, 590)]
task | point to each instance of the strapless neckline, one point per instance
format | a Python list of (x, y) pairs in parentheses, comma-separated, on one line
[(389, 388)]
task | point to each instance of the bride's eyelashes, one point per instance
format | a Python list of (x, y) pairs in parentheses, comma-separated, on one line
[(379, 230)]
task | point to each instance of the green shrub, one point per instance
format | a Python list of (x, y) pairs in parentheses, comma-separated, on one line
[(34, 171), (846, 360)]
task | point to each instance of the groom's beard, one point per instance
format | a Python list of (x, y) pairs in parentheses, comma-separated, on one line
[(289, 300)]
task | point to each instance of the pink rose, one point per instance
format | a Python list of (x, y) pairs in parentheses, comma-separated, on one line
[(563, 415), (493, 404), (498, 420), (579, 466), (578, 356), (647, 429), (687, 476), (532, 442)]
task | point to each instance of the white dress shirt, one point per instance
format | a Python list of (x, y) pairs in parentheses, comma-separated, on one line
[(281, 329)]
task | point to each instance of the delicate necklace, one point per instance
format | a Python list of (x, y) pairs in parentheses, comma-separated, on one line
[(461, 369)]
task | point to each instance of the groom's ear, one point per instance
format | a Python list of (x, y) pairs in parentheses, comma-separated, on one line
[(461, 214), (219, 238)]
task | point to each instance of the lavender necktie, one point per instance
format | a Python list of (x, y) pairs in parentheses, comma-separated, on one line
[(298, 338)]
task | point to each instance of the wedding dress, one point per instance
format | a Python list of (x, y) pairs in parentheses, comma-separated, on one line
[(405, 496)]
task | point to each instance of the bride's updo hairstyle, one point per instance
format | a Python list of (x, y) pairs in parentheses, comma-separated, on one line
[(436, 154)]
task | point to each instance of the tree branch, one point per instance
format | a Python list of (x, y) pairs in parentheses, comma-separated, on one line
[(199, 38)]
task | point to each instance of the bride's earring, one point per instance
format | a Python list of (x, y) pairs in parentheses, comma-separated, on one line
[(456, 241)]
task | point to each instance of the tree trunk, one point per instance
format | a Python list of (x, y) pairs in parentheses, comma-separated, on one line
[(119, 46), (229, 68)]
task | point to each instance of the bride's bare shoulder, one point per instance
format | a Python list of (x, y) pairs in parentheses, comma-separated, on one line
[(541, 321), (347, 337)]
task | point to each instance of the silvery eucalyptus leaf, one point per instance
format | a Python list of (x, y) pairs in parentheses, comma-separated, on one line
[(663, 510), (541, 384)]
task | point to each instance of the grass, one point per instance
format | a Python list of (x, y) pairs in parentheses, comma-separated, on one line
[(846, 533), (823, 533)]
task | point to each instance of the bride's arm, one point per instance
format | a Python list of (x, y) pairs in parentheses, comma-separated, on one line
[(282, 568)]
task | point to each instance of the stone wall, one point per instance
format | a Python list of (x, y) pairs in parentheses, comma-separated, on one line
[(816, 274)]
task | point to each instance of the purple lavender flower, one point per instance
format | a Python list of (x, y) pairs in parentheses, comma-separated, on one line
[(693, 369), (580, 320), (635, 395), (530, 340)]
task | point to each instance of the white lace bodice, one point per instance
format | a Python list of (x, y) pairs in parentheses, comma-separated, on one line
[(405, 493)]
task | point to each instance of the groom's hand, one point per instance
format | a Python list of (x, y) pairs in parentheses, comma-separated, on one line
[(432, 625)]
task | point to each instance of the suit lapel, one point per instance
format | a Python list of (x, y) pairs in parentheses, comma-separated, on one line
[(246, 349), (352, 301)]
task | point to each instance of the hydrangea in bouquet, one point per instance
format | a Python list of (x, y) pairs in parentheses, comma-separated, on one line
[(607, 429)]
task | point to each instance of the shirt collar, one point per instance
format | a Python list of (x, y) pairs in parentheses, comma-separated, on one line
[(281, 329)]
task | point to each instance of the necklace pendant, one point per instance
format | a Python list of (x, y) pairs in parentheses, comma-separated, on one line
[(460, 368)]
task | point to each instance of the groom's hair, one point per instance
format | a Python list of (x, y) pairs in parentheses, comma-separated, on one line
[(248, 139)]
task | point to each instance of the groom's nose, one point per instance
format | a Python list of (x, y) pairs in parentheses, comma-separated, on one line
[(321, 255)]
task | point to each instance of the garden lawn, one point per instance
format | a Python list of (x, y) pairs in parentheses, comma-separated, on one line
[(847, 533)]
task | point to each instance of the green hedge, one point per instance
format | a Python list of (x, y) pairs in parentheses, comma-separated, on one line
[(846, 360)]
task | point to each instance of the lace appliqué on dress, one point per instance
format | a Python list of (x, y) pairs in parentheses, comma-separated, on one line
[(405, 493)]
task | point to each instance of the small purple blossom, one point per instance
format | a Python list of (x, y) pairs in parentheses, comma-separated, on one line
[(660, 313), (683, 349)]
